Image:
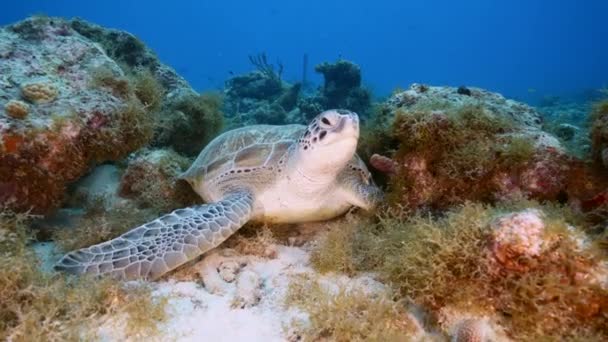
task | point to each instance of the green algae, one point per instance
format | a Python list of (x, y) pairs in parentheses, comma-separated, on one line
[(347, 314)]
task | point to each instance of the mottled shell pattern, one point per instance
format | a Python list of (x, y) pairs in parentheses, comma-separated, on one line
[(243, 151)]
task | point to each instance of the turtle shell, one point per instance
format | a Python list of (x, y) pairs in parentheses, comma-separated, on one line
[(243, 148)]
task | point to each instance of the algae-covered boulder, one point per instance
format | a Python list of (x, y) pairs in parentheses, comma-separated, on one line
[(186, 120), (448, 146), (73, 94), (66, 120)]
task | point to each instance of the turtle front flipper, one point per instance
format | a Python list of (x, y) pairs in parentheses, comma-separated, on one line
[(159, 246)]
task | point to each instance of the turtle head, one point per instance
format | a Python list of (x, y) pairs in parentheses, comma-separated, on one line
[(329, 142)]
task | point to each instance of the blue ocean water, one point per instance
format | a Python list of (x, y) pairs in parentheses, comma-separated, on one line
[(525, 49)]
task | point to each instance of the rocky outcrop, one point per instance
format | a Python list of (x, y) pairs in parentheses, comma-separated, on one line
[(451, 145), (73, 94), (421, 96)]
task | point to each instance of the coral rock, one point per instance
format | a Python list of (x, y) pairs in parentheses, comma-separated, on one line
[(472, 330), (248, 289), (39, 92), (465, 326), (518, 237), (228, 270), (17, 109)]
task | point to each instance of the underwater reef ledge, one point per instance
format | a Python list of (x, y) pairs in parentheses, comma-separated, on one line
[(73, 95)]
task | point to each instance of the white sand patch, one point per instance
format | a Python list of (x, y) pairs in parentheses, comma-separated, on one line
[(196, 314)]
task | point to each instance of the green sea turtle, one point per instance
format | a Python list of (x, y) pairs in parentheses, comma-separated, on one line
[(282, 174)]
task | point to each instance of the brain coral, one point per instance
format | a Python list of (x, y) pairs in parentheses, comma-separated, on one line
[(17, 109), (39, 92)]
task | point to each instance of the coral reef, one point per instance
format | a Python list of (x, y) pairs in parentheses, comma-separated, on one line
[(341, 89), (152, 179), (16, 109), (462, 250), (261, 96), (263, 83)]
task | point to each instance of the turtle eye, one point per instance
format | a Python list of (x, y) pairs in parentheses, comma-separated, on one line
[(326, 121)]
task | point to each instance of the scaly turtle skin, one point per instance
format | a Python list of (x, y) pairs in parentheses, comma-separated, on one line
[(265, 173)]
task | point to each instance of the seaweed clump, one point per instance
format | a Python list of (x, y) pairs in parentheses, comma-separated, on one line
[(133, 124), (99, 224), (190, 122), (347, 313), (37, 306), (542, 281)]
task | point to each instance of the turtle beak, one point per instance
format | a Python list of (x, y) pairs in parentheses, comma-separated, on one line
[(349, 125)]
